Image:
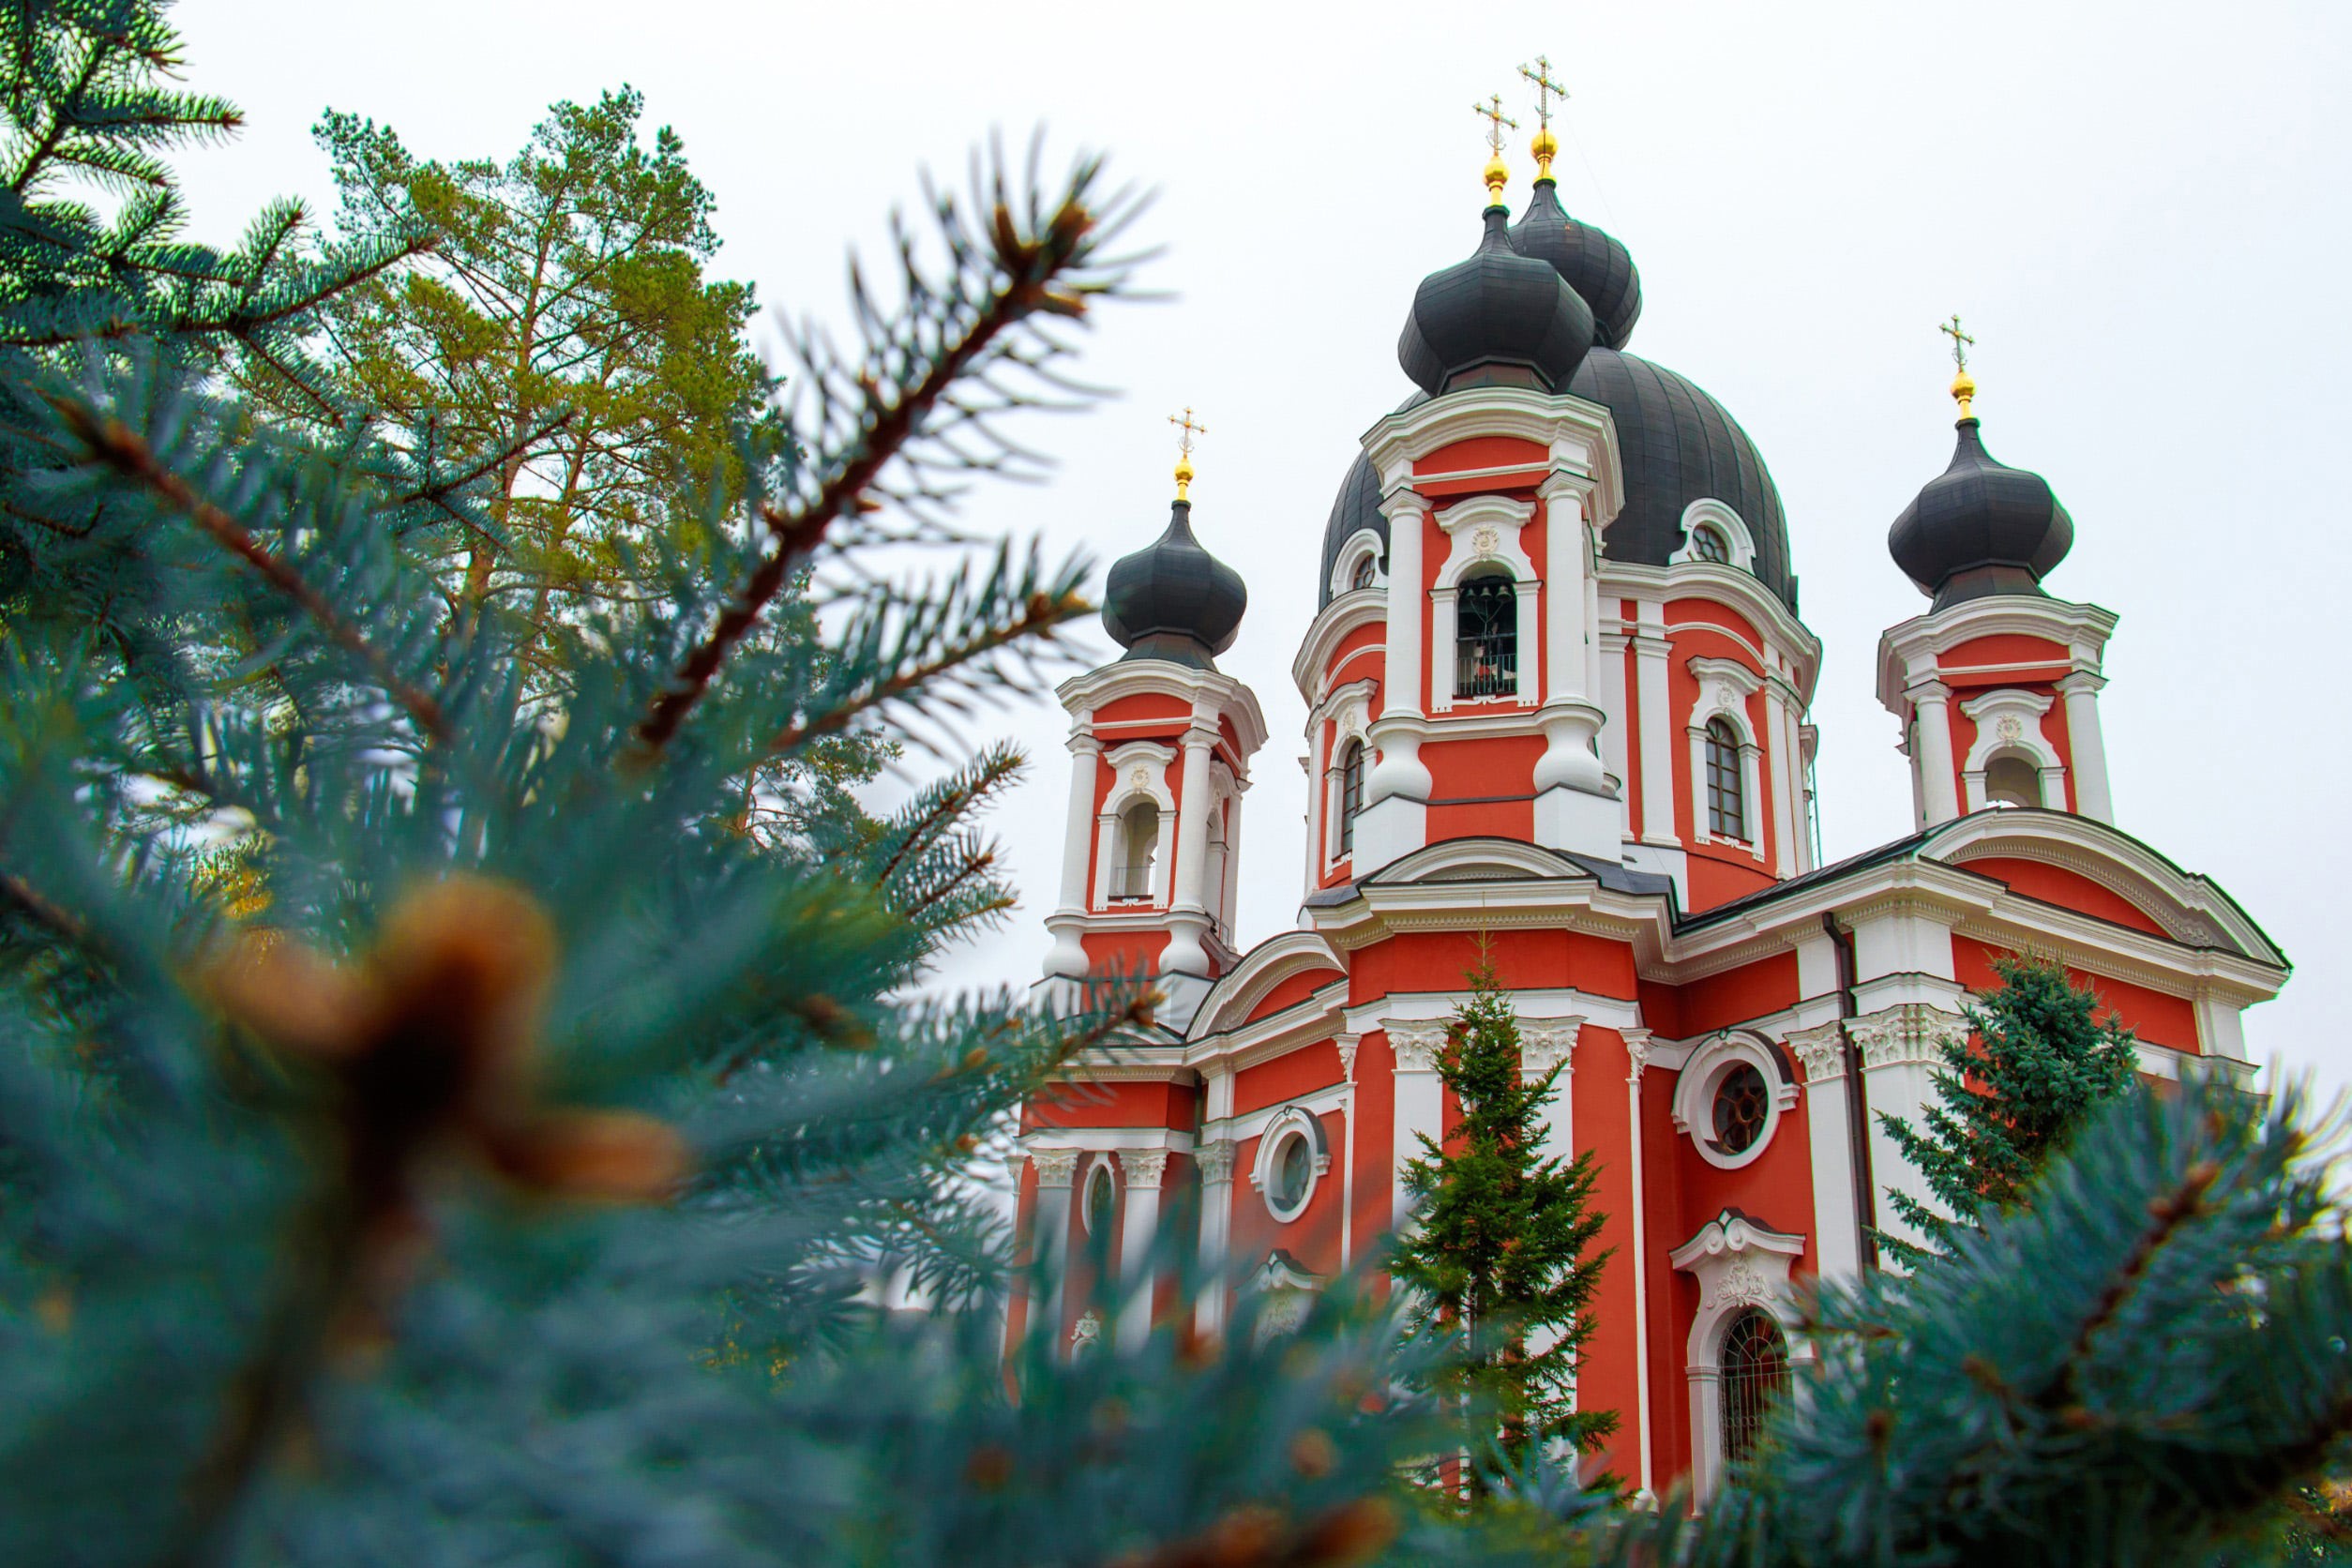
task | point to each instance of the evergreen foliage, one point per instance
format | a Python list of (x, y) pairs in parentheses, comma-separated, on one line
[(1500, 1252), (2037, 1059)]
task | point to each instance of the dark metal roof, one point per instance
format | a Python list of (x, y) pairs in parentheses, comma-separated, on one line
[(1172, 600), (1497, 318), (1980, 528), (1598, 267), (1678, 445)]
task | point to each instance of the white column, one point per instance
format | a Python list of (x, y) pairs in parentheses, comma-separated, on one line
[(1229, 895), (1638, 1048), (1419, 1097), (1217, 1212), (1348, 1044), (1400, 690), (1932, 753), (1068, 956), (1783, 776), (1050, 1231), (1828, 1130), (1188, 918), (1138, 1229), (1611, 642), (1650, 649), (1566, 581), (1321, 832), (2088, 746)]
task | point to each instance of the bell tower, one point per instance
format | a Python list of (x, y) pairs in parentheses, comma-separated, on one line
[(1997, 686), (1160, 748)]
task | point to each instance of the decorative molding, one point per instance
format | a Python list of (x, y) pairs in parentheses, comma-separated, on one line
[(1144, 1168), (1707, 512), (1910, 1032), (1822, 1050), (1415, 1043), (1360, 543), (1703, 1073), (1547, 1044), (1215, 1161), (1087, 1333), (1055, 1167), (1348, 1044), (1637, 1049)]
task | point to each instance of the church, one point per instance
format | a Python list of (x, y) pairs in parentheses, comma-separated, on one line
[(1558, 686)]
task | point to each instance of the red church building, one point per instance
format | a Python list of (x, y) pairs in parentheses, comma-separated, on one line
[(1558, 687)]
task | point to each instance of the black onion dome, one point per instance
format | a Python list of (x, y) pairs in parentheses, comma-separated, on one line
[(1678, 445), (1587, 260), (1980, 528), (1172, 600), (1496, 319)]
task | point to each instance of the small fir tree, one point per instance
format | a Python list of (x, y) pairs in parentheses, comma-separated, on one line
[(1502, 1249), (2038, 1061)]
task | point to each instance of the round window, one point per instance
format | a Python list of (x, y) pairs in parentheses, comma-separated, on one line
[(1743, 1104), (1708, 545), (1291, 1174)]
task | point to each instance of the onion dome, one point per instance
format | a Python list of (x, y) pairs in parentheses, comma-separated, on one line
[(1588, 261), (1980, 527), (1498, 318), (1172, 600)]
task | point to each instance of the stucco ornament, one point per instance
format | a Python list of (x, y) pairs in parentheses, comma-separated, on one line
[(1087, 1333), (1485, 541)]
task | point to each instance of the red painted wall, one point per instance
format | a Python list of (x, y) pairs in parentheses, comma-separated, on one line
[(2156, 1016), (2055, 884)]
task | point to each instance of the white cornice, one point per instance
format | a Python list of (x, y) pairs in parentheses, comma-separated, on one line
[(1364, 607), (1579, 437), (1910, 649), (1260, 969), (1218, 692), (1728, 586)]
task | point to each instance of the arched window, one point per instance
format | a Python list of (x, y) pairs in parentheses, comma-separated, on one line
[(1350, 794), (1707, 545), (1101, 1194), (1754, 1375), (2011, 780), (1727, 796), (1486, 643), (1366, 569), (1139, 842)]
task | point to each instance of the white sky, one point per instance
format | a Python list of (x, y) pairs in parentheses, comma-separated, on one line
[(2138, 208)]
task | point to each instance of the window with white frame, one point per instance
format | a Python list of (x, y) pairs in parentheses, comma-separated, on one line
[(1727, 792), (1706, 544), (1366, 573), (1138, 843), (1101, 1195), (1292, 1157)]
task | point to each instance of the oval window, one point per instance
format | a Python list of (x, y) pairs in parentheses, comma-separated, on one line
[(1291, 1176), (1100, 1194)]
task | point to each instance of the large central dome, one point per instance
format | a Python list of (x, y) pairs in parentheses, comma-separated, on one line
[(1678, 445)]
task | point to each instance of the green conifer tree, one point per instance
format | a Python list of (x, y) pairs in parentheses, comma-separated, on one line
[(1501, 1250), (2037, 1059)]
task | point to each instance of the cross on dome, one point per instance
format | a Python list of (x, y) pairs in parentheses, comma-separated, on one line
[(1183, 449), (1963, 384), (1546, 146), (1498, 173)]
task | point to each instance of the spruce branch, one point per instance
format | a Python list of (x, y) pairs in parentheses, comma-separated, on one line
[(114, 443)]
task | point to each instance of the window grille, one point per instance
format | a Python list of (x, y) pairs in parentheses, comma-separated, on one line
[(1742, 1105), (1366, 569), (1727, 795), (1754, 1375), (1350, 794), (1486, 640), (1707, 545), (1139, 842)]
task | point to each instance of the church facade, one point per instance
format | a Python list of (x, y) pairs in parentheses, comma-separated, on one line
[(1558, 691)]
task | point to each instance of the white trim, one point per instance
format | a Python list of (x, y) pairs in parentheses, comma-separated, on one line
[(1360, 543), (2009, 723), (1724, 687), (1739, 1264), (1483, 531), (1287, 1121), (1100, 1166), (1702, 1074), (1707, 512), (1207, 691), (1139, 772)]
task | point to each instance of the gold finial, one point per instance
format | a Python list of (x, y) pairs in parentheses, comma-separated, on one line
[(1963, 384), (1498, 171), (1546, 146), (1184, 450)]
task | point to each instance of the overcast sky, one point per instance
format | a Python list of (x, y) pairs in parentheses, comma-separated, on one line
[(2139, 210)]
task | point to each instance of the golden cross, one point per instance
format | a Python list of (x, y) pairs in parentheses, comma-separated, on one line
[(1961, 341), (1491, 112), (1540, 77), (1184, 442)]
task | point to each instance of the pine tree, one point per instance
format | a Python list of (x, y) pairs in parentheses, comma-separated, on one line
[(2039, 1058), (1500, 1251)]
